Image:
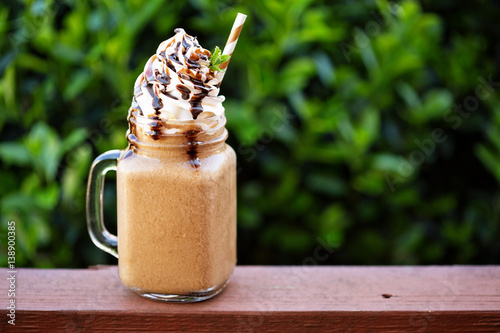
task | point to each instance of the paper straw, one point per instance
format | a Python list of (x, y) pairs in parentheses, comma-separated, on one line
[(232, 40)]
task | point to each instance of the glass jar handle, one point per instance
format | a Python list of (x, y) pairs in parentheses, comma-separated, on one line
[(101, 237)]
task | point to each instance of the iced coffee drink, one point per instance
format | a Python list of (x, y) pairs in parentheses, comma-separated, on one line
[(176, 181), (177, 213)]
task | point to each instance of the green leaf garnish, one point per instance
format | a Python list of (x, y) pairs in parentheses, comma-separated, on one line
[(217, 59)]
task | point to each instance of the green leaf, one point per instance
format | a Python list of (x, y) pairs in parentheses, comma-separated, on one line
[(297, 73), (409, 95), (218, 59), (14, 153), (386, 162), (76, 137), (326, 184), (16, 201), (78, 82), (47, 198), (332, 224), (490, 159), (44, 147)]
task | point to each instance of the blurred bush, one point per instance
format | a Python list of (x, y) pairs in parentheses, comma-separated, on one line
[(366, 131)]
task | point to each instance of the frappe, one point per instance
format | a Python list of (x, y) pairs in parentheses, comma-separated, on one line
[(176, 182)]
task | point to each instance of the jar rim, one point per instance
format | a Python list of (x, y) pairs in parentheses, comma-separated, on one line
[(158, 137), (159, 128)]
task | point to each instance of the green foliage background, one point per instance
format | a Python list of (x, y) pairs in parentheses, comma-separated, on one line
[(331, 108)]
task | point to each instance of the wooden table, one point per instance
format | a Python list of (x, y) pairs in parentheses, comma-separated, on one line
[(267, 298)]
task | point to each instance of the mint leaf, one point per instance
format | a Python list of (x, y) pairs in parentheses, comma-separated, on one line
[(217, 59)]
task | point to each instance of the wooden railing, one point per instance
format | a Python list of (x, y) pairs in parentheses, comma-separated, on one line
[(265, 298)]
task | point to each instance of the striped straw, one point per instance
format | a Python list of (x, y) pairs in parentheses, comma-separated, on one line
[(232, 40)]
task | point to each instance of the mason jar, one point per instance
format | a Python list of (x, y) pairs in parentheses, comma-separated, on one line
[(176, 195)]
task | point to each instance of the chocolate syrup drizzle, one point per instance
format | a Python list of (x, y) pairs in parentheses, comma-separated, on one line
[(192, 152), (186, 53), (191, 135)]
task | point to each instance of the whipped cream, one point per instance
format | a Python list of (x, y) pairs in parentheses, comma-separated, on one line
[(177, 83)]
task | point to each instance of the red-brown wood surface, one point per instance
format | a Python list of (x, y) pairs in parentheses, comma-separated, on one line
[(267, 298)]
